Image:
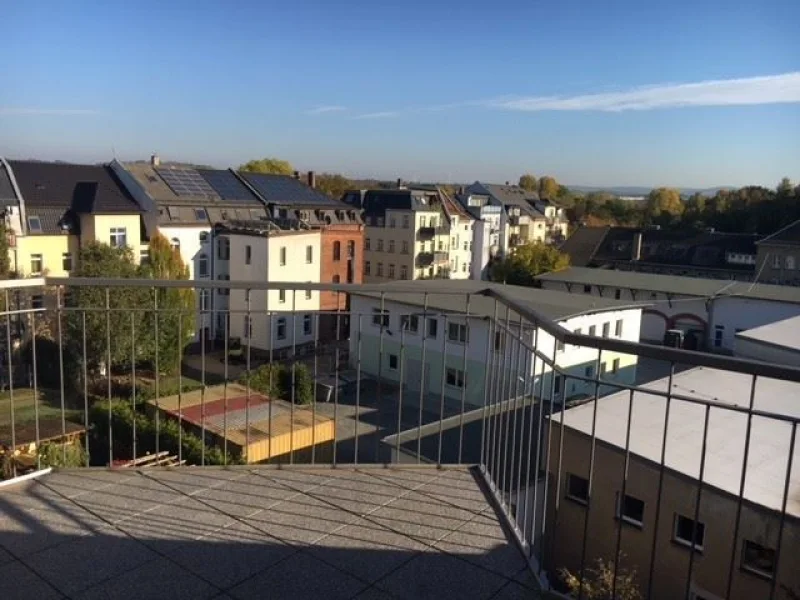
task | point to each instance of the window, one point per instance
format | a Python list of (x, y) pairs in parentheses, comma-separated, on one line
[(380, 270), (403, 272), (36, 264), (351, 249), (37, 301), (379, 221), (464, 267), (606, 329), (281, 296), (683, 532), (618, 328), (776, 262), (391, 271), (758, 559), (366, 244), (337, 251), (466, 247), (144, 256), (632, 510), (306, 324), (335, 279), (247, 330), (405, 222), (248, 254), (404, 248), (790, 265), (205, 299), (224, 248), (593, 330), (588, 371), (433, 328), (410, 323), (381, 320), (280, 331), (423, 221), (34, 224), (118, 237), (202, 265), (392, 222), (203, 237), (615, 366), (433, 222), (283, 256), (66, 261), (455, 377), (309, 254), (499, 340), (393, 362), (559, 346), (200, 214), (391, 245), (457, 332), (719, 332), (366, 267), (380, 245), (617, 294), (557, 385), (308, 292), (175, 244), (587, 289), (577, 488), (224, 291)]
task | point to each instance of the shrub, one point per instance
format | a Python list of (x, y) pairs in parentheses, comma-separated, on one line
[(598, 584), (275, 381), (62, 455)]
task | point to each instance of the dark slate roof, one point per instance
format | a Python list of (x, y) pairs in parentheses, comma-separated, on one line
[(451, 296), (509, 195), (54, 220), (674, 284), (7, 195), (788, 236), (288, 191), (82, 188), (582, 245), (377, 202), (229, 186)]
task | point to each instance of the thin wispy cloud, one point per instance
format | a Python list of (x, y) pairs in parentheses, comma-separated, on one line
[(12, 110), (385, 114), (771, 89), (323, 110)]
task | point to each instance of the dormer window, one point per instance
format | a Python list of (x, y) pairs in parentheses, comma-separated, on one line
[(34, 224), (200, 214)]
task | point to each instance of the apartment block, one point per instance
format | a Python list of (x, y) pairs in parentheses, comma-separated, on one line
[(778, 258)]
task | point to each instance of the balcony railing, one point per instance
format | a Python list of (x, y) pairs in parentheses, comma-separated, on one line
[(426, 233), (559, 425)]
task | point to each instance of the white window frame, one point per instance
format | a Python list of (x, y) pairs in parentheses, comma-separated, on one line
[(117, 234), (461, 332), (40, 259), (684, 542), (280, 323)]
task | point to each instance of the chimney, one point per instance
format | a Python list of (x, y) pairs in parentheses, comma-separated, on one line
[(637, 246), (297, 175), (155, 161), (312, 179), (399, 183)]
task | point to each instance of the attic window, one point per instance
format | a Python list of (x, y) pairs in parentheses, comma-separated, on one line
[(200, 214), (34, 224)]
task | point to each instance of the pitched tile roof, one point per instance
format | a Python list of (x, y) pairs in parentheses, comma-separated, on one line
[(582, 245), (509, 195), (82, 188), (53, 220), (788, 236)]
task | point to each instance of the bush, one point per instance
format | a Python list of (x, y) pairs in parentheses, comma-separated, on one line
[(598, 584), (275, 381), (48, 359), (62, 455)]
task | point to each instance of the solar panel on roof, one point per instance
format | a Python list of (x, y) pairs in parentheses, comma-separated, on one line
[(285, 190), (227, 185), (186, 182)]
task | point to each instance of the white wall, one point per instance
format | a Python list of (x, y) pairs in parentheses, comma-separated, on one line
[(755, 350), (461, 232), (265, 266), (732, 314)]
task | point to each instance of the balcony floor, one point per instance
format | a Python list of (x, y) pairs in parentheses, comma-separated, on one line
[(244, 533)]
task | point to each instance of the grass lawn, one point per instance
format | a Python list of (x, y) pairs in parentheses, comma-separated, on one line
[(25, 409)]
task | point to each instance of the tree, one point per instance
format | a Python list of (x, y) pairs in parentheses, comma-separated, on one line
[(272, 166), (529, 182), (598, 584), (528, 261), (548, 187), (333, 184), (5, 259), (176, 306), (664, 202), (785, 188)]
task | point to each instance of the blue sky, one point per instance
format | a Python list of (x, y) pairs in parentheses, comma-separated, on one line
[(590, 92)]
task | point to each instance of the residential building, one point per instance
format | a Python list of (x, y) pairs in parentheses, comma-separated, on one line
[(489, 232), (62, 207), (777, 342), (185, 204), (779, 256), (406, 234), (462, 246), (276, 321), (529, 218), (709, 311), (710, 254), (453, 338), (294, 204), (686, 518)]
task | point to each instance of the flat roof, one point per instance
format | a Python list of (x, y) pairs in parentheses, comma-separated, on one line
[(675, 284), (769, 442), (781, 334), (451, 296)]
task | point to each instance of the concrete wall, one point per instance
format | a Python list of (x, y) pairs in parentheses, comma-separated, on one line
[(717, 512), (756, 350), (780, 272), (738, 314)]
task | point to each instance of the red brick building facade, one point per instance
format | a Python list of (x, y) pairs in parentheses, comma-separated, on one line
[(342, 262)]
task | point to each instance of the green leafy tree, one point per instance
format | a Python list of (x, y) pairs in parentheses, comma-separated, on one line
[(272, 166), (785, 187), (529, 182), (598, 583), (333, 184), (548, 187), (176, 306), (664, 202), (528, 261), (5, 259)]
